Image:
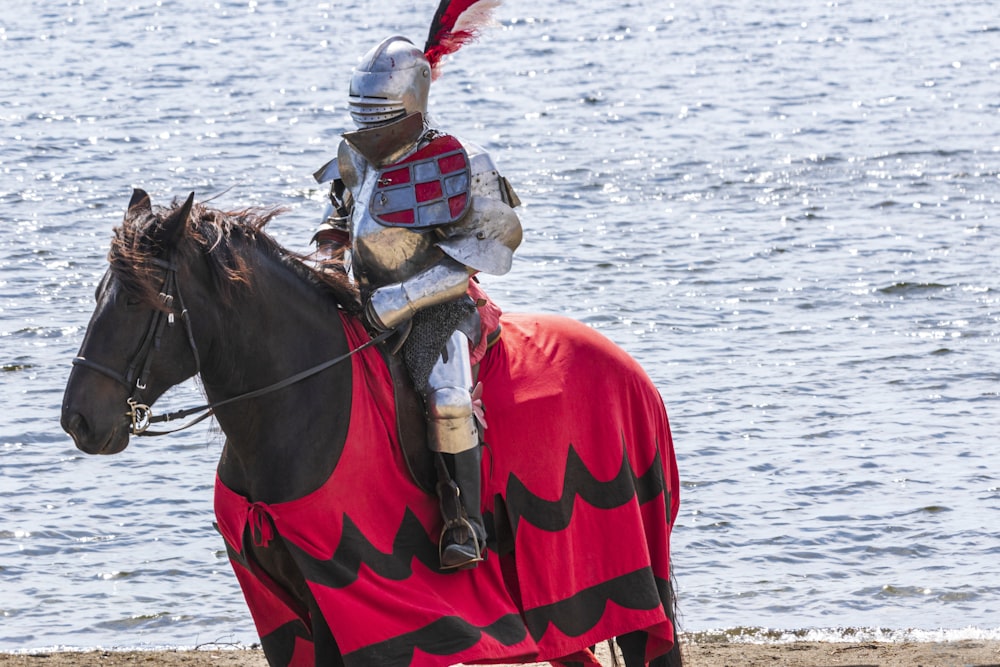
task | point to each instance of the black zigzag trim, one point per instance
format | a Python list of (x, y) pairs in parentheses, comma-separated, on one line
[(575, 615), (665, 589), (354, 549), (556, 515), (652, 482), (412, 540), (279, 644), (446, 636)]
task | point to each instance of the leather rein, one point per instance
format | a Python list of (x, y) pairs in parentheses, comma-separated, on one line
[(135, 378)]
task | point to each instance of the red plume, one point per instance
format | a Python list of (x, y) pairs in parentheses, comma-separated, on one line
[(455, 23)]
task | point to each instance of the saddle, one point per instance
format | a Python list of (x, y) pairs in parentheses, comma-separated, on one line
[(410, 423)]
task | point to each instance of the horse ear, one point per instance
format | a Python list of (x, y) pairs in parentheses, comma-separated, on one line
[(140, 201), (170, 230)]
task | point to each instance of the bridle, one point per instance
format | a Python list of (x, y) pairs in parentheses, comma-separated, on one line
[(136, 376)]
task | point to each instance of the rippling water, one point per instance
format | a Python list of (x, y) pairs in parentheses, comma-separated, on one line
[(786, 211)]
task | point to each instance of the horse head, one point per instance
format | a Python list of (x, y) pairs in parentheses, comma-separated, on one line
[(138, 343), (141, 339)]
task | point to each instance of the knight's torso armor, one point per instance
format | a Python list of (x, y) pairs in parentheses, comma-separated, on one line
[(438, 197)]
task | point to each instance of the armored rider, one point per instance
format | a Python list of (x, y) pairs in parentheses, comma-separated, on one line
[(419, 213)]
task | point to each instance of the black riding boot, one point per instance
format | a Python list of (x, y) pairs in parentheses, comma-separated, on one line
[(463, 540)]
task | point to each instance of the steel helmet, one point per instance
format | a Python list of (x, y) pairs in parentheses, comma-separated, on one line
[(392, 81)]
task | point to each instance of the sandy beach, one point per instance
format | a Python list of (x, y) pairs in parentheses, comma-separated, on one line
[(697, 654)]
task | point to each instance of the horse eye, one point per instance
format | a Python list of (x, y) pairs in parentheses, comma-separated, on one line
[(128, 300)]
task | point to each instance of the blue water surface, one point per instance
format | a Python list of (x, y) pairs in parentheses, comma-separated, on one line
[(786, 211)]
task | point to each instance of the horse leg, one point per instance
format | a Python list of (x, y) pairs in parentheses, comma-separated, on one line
[(633, 646), (574, 663), (277, 563), (324, 645)]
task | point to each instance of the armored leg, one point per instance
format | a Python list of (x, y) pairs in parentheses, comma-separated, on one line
[(452, 431), (463, 538)]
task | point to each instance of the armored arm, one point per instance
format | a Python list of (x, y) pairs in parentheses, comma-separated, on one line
[(394, 304), (334, 232), (484, 239), (487, 236)]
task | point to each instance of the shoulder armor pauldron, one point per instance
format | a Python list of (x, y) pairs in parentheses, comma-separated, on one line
[(328, 172)]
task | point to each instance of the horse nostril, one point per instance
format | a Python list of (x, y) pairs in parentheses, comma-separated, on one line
[(73, 424)]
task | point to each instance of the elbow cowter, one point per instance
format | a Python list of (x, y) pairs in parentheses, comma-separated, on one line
[(391, 305)]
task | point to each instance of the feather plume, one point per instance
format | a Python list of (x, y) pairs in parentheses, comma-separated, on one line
[(456, 23)]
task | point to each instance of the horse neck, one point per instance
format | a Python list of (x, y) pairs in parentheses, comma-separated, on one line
[(278, 445)]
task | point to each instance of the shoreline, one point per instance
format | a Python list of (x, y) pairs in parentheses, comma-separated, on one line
[(698, 652)]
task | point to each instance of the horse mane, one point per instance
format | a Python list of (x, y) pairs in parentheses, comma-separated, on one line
[(224, 239)]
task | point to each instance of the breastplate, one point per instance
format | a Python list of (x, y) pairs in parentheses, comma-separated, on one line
[(398, 206), (383, 255)]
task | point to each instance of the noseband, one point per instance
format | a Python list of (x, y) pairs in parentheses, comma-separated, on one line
[(134, 379), (137, 375)]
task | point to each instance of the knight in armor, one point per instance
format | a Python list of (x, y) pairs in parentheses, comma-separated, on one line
[(419, 213)]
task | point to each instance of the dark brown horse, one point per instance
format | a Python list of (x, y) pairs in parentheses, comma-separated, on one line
[(329, 528)]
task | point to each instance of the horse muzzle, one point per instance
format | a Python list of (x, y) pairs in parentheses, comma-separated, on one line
[(92, 440)]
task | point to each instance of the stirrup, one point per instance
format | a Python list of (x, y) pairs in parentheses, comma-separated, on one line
[(469, 562)]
